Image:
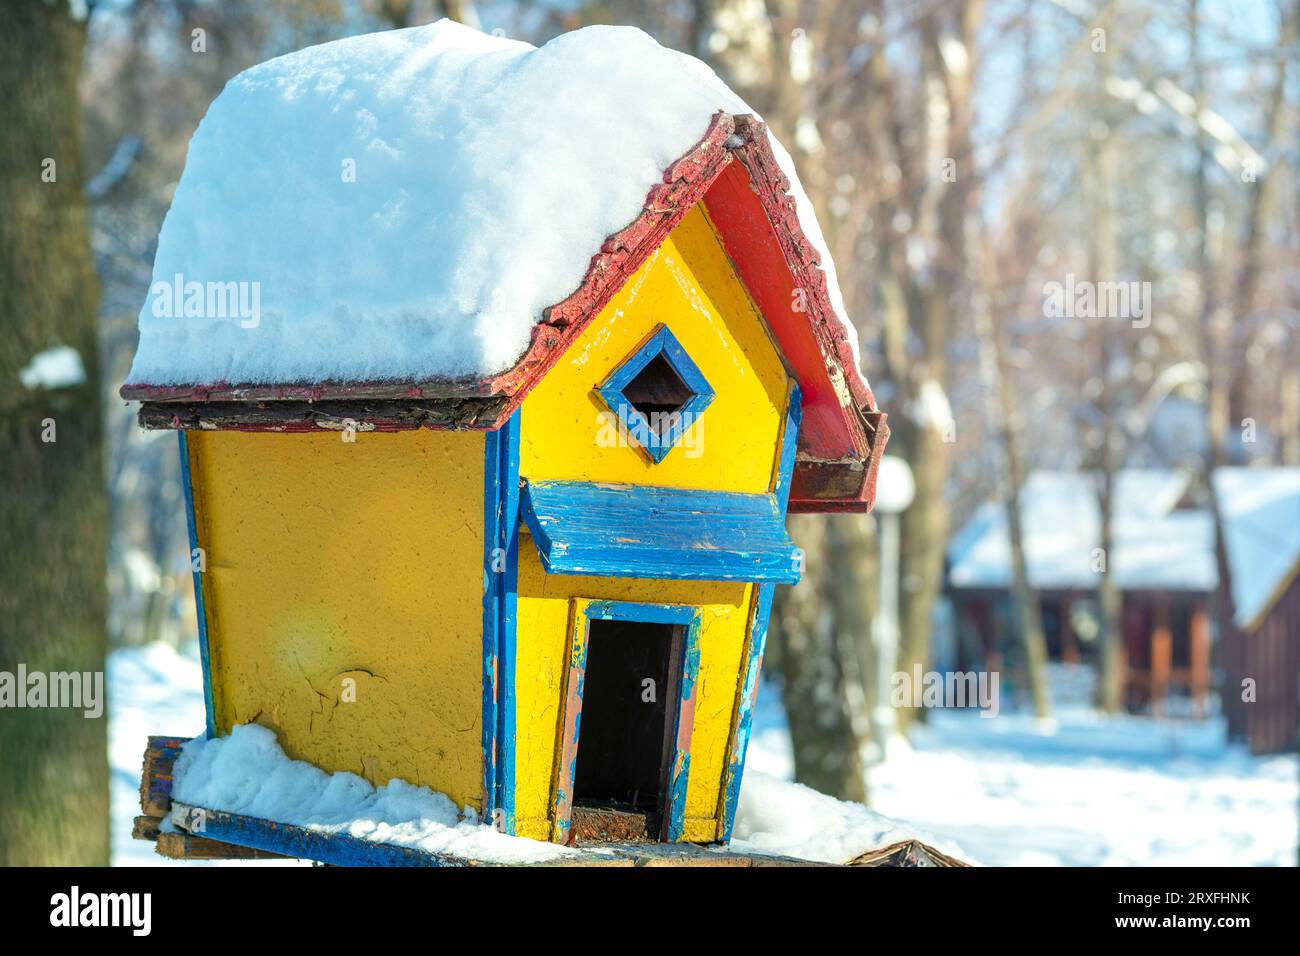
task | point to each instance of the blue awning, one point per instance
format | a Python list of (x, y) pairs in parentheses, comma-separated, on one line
[(634, 531)]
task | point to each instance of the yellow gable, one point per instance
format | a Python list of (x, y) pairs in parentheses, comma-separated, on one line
[(689, 286)]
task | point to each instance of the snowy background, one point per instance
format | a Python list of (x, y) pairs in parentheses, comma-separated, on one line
[(1079, 791), (1057, 154)]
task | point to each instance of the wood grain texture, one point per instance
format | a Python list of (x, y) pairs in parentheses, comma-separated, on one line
[(332, 415), (588, 528)]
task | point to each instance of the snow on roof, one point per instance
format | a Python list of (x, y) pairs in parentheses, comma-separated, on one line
[(1156, 546), (404, 205), (1261, 521)]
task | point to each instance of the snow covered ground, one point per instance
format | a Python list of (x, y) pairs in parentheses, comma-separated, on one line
[(1003, 791), (1081, 791)]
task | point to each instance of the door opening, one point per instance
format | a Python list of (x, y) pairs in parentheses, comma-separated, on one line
[(627, 730)]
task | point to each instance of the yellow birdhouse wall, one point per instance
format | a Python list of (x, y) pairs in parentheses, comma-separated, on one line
[(334, 566), (688, 285)]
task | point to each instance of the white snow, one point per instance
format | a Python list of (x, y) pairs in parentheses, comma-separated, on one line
[(247, 773), (1079, 790), (779, 817), (59, 367), (154, 690), (151, 690), (487, 174), (1261, 519), (1157, 546)]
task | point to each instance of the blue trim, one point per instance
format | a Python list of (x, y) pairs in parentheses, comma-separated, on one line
[(645, 613), (681, 769), (200, 608), (654, 443), (679, 773), (789, 444), (637, 531), (500, 600), (735, 768), (570, 729), (338, 849)]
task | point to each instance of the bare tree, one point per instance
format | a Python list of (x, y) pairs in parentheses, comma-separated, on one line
[(53, 516)]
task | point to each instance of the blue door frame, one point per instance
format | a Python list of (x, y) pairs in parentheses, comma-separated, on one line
[(683, 717)]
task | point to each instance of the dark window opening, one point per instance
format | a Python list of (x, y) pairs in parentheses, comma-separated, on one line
[(657, 392), (625, 744)]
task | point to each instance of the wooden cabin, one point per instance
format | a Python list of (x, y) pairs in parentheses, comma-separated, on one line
[(544, 592), (1163, 561), (1261, 649)]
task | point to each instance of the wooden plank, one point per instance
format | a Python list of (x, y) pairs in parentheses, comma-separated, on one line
[(590, 528), (282, 839), (330, 415), (185, 846), (203, 834), (684, 722), (909, 853), (342, 850), (566, 764), (156, 774), (197, 570), (1162, 657), (1199, 636), (500, 570)]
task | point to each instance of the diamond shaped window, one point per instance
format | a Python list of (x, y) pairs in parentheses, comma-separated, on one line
[(658, 394)]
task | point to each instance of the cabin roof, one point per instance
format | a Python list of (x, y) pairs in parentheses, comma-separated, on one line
[(1158, 546), (1261, 521), (439, 293)]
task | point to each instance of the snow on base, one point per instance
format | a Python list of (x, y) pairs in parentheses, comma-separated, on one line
[(155, 690), (406, 204), (247, 773), (775, 816)]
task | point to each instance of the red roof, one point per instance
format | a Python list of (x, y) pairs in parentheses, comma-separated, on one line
[(733, 171)]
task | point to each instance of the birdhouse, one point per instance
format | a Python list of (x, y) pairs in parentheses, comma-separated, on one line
[(532, 573)]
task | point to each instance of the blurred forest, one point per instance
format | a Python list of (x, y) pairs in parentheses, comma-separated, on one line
[(962, 155)]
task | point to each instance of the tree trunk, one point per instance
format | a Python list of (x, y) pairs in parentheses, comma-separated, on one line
[(849, 585), (1101, 262), (53, 512), (935, 303), (924, 541), (828, 751), (1110, 680), (1005, 413)]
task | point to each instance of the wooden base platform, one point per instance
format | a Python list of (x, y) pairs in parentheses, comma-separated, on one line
[(182, 832)]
